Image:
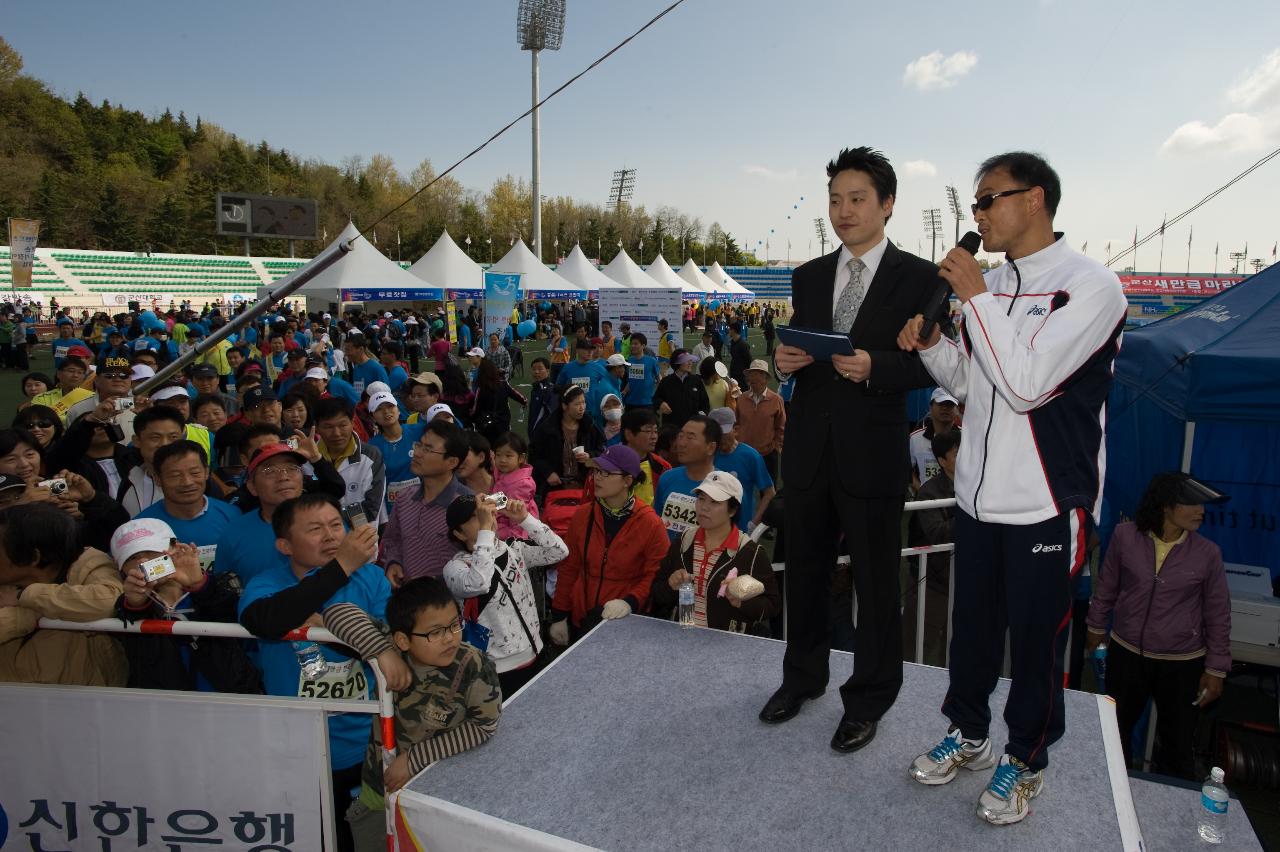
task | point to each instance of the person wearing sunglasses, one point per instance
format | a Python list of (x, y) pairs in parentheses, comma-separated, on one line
[(1040, 333), (447, 695), (42, 422)]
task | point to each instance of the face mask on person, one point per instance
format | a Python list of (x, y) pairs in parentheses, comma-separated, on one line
[(613, 415)]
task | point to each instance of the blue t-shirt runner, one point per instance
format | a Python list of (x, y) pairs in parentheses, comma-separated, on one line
[(675, 503), (396, 458), (204, 530)]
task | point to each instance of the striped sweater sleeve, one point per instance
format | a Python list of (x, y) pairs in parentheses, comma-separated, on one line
[(355, 628), (484, 704)]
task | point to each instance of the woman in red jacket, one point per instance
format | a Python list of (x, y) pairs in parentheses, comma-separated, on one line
[(616, 544)]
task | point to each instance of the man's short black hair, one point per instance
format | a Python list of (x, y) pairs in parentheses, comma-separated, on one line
[(638, 337), (40, 533), (282, 518), (178, 449), (872, 163), (257, 430), (456, 445), (711, 430), (1029, 170), (208, 399), (155, 414), (330, 407), (944, 442), (635, 419), (394, 348), (412, 598), (543, 361)]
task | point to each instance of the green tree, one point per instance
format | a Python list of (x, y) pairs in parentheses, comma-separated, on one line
[(114, 226)]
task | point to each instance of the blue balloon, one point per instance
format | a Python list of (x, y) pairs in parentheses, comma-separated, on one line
[(715, 306), (527, 328), (546, 306)]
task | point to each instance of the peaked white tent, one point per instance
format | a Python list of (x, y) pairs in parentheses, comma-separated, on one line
[(365, 275), (447, 265), (579, 271), (623, 270), (662, 272), (717, 274), (536, 280), (699, 281)]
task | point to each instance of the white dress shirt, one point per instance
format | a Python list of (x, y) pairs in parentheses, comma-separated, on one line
[(871, 259)]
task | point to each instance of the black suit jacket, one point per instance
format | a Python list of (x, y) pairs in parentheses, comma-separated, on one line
[(863, 425)]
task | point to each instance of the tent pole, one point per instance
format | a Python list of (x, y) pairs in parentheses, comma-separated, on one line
[(301, 277), (1188, 439)]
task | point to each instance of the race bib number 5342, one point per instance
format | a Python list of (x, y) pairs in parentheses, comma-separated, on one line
[(680, 512)]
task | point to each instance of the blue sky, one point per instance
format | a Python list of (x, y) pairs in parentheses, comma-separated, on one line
[(730, 110)]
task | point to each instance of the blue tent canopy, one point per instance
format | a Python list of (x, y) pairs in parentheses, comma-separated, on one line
[(1210, 377)]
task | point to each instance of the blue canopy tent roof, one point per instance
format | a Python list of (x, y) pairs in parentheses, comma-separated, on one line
[(1200, 391)]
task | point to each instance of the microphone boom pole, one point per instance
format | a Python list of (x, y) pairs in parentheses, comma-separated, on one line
[(290, 285)]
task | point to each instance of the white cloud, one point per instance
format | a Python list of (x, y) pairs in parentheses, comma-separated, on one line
[(771, 174), (935, 71), (1234, 133), (919, 168), (1260, 87)]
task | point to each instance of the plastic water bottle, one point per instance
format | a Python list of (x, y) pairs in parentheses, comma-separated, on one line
[(310, 659), (686, 603), (1100, 666), (1213, 808)]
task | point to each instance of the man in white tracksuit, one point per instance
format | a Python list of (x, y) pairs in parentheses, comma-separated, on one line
[(1033, 366)]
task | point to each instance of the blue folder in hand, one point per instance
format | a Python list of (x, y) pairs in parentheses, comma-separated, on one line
[(818, 343)]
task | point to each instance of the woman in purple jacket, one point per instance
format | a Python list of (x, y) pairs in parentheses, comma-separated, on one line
[(1163, 592)]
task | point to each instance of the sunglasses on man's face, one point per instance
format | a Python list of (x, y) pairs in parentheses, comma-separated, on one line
[(37, 424), (984, 202)]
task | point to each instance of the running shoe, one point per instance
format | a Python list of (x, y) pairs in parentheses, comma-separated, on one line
[(1007, 798), (939, 764)]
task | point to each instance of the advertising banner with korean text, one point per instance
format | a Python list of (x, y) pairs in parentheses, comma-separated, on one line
[(501, 290), (23, 234), (1169, 285), (107, 769), (641, 309)]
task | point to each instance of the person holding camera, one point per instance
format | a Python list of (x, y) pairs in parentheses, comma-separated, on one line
[(491, 578), (182, 471), (327, 565), (163, 579)]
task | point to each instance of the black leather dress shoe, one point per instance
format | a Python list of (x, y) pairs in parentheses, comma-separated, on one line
[(852, 735), (785, 704)]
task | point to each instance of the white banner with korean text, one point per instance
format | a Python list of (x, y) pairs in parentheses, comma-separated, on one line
[(103, 769), (640, 309)]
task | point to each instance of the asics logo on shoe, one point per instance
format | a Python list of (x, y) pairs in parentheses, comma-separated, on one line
[(1037, 311), (1046, 548)]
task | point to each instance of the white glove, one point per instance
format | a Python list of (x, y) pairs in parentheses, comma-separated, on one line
[(559, 633), (615, 609)]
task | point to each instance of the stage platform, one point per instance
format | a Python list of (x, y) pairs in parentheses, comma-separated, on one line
[(644, 736)]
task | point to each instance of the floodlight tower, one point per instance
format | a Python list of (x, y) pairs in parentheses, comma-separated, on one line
[(621, 189), (539, 26), (933, 229), (953, 201), (820, 225)]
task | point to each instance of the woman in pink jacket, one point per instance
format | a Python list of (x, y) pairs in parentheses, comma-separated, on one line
[(1163, 595)]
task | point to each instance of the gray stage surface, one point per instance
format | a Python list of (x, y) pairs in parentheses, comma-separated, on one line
[(644, 736)]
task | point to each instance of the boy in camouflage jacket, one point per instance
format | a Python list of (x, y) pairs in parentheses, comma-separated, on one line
[(447, 693)]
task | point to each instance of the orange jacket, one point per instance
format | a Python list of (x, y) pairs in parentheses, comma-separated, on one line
[(624, 570)]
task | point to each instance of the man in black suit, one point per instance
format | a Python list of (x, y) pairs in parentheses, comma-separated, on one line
[(845, 462)]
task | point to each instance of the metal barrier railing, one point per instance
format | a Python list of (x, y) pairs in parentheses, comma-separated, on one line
[(383, 707)]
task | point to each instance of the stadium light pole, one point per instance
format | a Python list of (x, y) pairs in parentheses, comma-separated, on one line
[(539, 27), (953, 201)]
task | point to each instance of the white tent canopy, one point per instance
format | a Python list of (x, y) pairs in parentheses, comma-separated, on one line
[(579, 271), (623, 270), (447, 265), (662, 272), (536, 281), (717, 274), (364, 270), (697, 280)]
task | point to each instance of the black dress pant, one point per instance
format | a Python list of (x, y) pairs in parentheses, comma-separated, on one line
[(1015, 580), (1173, 685), (815, 517)]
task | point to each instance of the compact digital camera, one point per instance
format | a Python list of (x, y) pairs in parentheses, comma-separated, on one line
[(292, 443), (157, 569), (498, 500), (56, 486), (123, 403)]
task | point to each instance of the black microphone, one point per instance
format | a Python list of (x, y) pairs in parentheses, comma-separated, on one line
[(970, 242)]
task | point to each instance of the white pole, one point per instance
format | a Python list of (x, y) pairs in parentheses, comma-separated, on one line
[(922, 580), (537, 166), (1188, 441)]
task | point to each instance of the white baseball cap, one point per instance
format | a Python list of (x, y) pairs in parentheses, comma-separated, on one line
[(411, 321), (377, 387), (142, 535), (380, 399), (942, 395), (140, 372), (720, 486), (616, 360), (316, 373), (438, 408), (475, 352), (170, 392), (386, 314)]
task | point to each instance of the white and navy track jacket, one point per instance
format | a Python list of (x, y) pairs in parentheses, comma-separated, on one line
[(1033, 368)]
